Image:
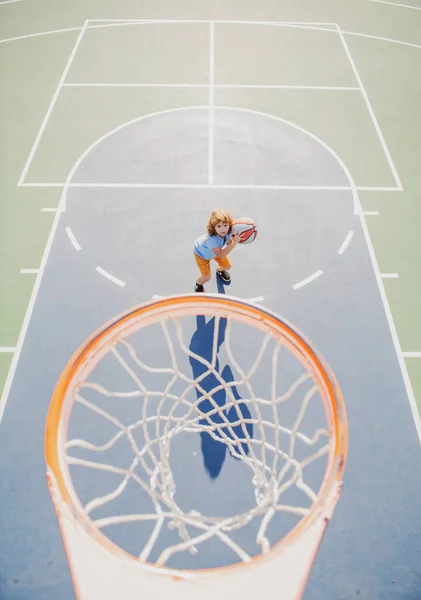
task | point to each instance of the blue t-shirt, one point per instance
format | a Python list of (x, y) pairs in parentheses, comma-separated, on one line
[(203, 245)]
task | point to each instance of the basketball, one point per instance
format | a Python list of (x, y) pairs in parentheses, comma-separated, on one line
[(247, 227)]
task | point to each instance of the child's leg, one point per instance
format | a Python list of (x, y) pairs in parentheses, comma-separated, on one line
[(224, 265), (203, 279), (204, 268)]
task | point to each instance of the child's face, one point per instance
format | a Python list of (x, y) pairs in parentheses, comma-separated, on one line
[(222, 228)]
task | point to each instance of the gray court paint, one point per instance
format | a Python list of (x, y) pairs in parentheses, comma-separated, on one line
[(249, 149), (144, 237)]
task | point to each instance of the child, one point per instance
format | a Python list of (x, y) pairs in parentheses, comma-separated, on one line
[(216, 244)]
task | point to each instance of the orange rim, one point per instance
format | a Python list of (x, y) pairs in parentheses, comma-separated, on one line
[(262, 318)]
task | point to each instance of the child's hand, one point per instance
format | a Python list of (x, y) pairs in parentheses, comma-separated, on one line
[(236, 237)]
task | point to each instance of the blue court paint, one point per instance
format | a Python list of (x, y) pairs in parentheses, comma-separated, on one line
[(144, 238)]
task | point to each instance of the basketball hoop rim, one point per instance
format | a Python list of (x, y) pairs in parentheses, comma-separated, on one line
[(329, 491)]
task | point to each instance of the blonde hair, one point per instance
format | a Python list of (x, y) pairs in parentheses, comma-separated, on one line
[(219, 216)]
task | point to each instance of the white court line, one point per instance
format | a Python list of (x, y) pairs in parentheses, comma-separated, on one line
[(7, 349), (140, 21), (381, 39), (372, 213), (396, 4), (331, 27), (335, 188), (8, 1), (411, 354), (49, 209), (32, 35), (72, 239), (389, 275), (407, 382), (217, 85), (146, 85), (211, 100), (371, 111), (288, 87), (52, 104), (45, 184), (293, 24), (28, 315), (29, 271), (378, 189), (307, 280), (356, 204), (354, 33), (119, 24), (346, 242), (110, 277)]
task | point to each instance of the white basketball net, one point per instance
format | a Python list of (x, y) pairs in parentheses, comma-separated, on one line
[(274, 469)]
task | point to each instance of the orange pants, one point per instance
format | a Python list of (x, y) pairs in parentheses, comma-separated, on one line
[(204, 265)]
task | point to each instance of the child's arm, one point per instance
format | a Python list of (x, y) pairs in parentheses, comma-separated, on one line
[(232, 242)]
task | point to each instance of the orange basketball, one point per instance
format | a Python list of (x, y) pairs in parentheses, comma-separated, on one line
[(247, 227)]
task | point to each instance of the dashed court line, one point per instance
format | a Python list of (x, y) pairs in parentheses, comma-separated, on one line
[(371, 213), (411, 354), (29, 271), (7, 349), (346, 242), (256, 299), (72, 239), (307, 280), (389, 275), (110, 277)]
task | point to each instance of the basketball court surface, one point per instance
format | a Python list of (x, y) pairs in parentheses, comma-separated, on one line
[(142, 121)]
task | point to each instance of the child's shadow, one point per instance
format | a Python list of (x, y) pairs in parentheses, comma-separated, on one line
[(214, 451)]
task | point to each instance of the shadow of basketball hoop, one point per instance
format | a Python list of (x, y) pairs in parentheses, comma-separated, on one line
[(224, 422)]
